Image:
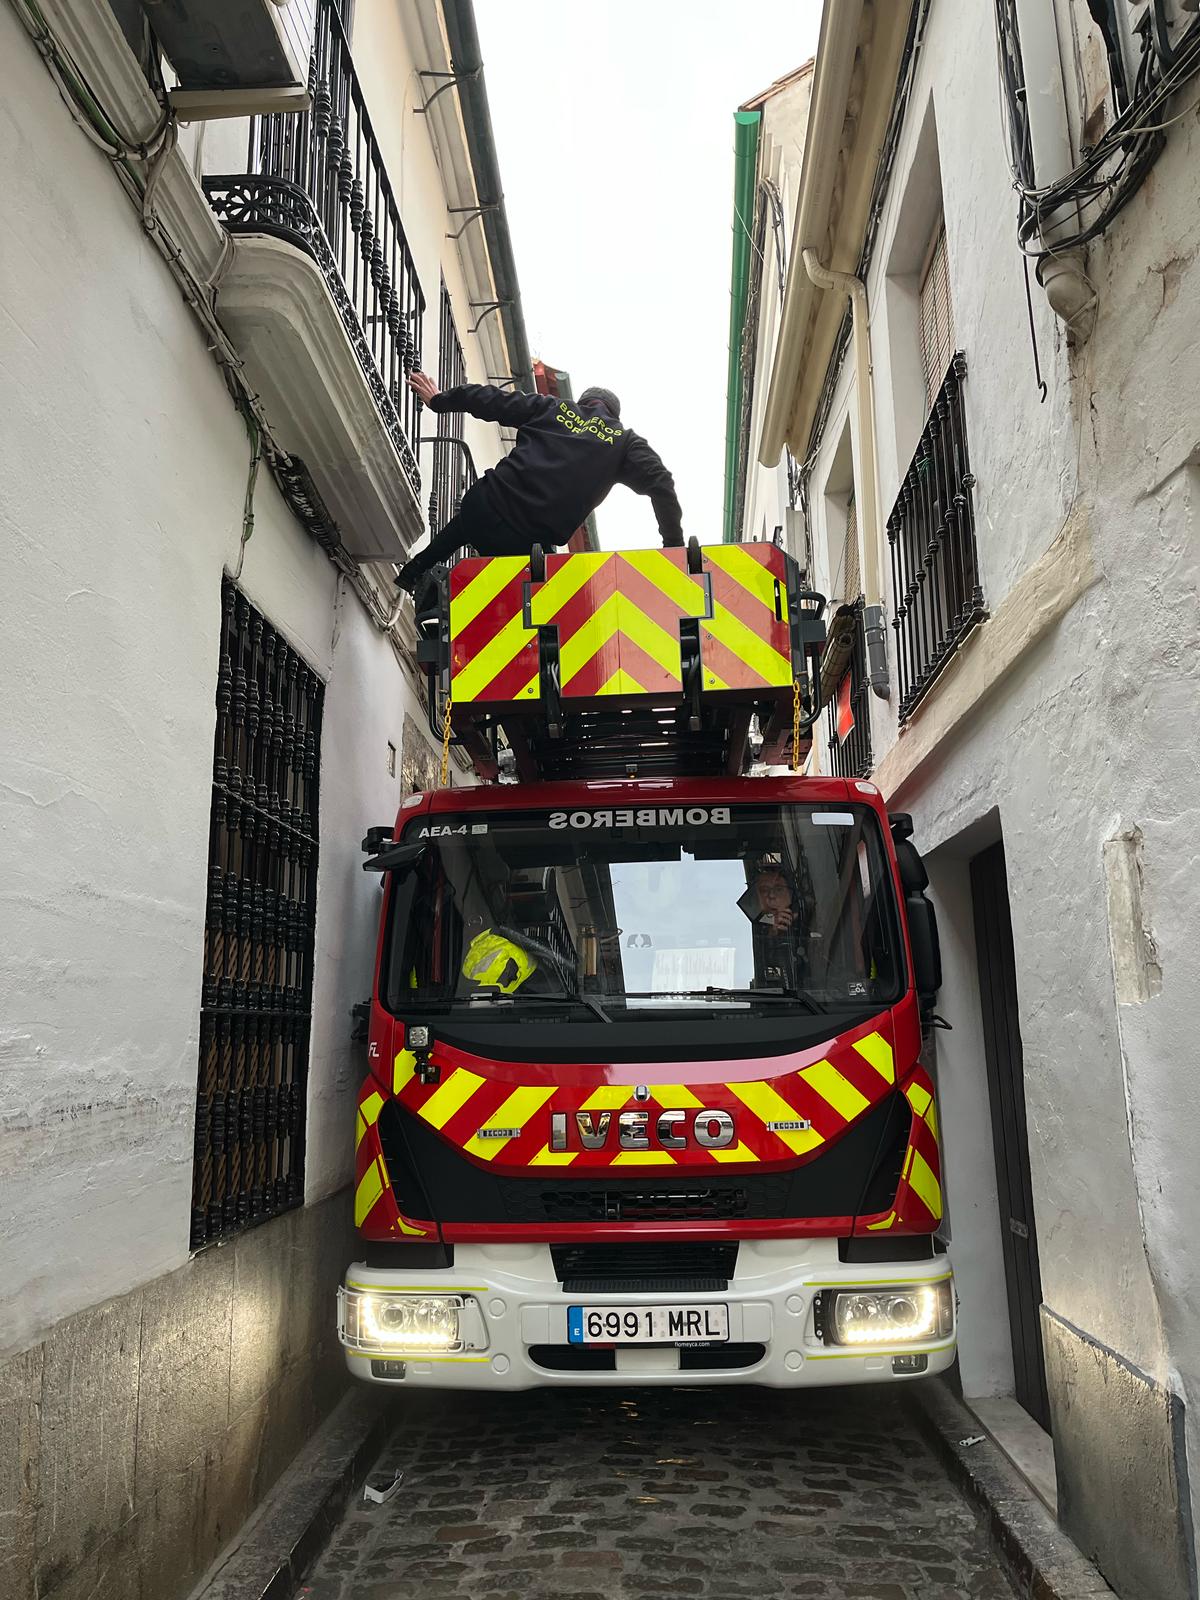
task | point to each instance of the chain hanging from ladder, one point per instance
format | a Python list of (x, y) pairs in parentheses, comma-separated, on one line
[(795, 724), (446, 743)]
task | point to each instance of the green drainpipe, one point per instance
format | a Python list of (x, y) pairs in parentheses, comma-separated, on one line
[(745, 164)]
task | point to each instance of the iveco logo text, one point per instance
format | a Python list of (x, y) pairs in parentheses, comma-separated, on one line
[(644, 817), (711, 1130)]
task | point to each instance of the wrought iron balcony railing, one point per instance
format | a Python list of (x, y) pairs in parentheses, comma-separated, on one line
[(936, 595), (453, 474), (317, 179)]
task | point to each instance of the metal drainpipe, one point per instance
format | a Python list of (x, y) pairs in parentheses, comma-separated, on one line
[(467, 60), (1061, 273), (745, 168), (872, 531)]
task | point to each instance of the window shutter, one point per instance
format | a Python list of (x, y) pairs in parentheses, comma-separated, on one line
[(853, 577)]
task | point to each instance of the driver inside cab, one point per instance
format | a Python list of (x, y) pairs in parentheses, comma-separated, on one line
[(780, 918)]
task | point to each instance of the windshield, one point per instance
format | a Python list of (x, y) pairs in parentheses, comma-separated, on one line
[(651, 911)]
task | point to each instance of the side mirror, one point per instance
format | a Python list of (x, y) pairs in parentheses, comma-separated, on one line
[(396, 858), (926, 951), (914, 879)]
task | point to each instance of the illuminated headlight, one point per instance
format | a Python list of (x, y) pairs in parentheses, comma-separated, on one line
[(400, 1323), (910, 1314)]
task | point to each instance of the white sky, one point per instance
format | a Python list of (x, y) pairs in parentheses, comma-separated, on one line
[(614, 127)]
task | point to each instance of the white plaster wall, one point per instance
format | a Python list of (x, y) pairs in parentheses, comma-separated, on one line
[(1024, 469), (1094, 730), (122, 474), (1141, 471)]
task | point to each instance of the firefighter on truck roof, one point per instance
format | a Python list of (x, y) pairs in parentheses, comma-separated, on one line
[(567, 457)]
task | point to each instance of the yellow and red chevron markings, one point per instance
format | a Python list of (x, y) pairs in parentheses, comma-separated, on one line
[(829, 1087), (918, 1203), (618, 614), (375, 1208)]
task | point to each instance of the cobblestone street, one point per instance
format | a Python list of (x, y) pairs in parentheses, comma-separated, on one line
[(715, 1493)]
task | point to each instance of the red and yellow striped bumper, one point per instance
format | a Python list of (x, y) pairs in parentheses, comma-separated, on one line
[(511, 1119)]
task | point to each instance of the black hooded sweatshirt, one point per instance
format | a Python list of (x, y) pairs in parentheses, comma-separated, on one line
[(564, 463)]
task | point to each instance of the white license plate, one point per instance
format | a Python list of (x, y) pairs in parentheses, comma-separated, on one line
[(648, 1324)]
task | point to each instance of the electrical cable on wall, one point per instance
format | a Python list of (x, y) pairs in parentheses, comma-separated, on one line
[(1115, 167), (256, 441)]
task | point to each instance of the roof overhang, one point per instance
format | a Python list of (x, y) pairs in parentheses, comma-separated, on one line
[(859, 54)]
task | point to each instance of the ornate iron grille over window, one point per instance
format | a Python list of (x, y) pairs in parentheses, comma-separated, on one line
[(848, 719), (935, 574), (453, 467), (256, 1001), (317, 179)]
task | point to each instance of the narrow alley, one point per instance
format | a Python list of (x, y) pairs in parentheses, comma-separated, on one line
[(598, 800), (713, 1493)]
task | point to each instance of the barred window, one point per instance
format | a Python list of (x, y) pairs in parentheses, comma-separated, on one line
[(937, 317), (256, 997), (848, 714), (450, 479), (452, 366)]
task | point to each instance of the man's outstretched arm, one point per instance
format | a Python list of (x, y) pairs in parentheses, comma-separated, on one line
[(478, 400), (645, 473)]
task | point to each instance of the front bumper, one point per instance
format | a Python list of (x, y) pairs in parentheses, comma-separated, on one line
[(514, 1323)]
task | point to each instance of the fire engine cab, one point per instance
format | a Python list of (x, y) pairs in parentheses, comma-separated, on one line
[(646, 1100)]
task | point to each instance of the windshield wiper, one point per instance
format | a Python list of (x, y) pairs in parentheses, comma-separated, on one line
[(772, 996), (491, 997), (572, 987)]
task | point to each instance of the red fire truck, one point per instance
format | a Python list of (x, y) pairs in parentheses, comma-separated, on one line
[(646, 1101)]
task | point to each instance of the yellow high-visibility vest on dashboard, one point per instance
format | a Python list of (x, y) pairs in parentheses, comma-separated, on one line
[(494, 960)]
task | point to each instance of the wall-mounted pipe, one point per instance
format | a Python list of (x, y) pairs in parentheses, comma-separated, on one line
[(745, 169), (869, 523), (1061, 273), (836, 50)]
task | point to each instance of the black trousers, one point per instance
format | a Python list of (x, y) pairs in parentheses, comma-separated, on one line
[(477, 526)]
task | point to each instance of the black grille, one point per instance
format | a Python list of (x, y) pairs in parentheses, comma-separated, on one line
[(590, 1264), (674, 1285), (256, 995), (659, 1204), (402, 1170), (600, 1358)]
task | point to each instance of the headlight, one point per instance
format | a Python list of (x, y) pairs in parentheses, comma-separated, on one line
[(401, 1323), (896, 1315)]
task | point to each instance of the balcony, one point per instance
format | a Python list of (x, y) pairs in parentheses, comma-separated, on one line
[(322, 298), (936, 595)]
